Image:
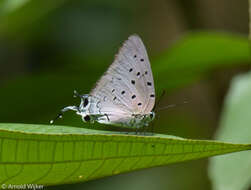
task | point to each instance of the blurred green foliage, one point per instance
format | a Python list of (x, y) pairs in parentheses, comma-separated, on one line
[(235, 127), (196, 55)]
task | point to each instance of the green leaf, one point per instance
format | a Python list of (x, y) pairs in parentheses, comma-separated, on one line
[(16, 15), (198, 53), (49, 155), (11, 5), (205, 50), (233, 172)]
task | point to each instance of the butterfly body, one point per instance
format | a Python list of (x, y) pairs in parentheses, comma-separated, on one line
[(90, 110), (125, 94)]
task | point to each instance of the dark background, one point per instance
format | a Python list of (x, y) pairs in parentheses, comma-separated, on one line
[(49, 48)]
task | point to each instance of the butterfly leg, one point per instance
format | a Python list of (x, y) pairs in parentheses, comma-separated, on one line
[(144, 130), (140, 130), (60, 115), (152, 128), (107, 117), (136, 131)]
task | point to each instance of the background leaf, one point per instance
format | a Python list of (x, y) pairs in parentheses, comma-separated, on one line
[(11, 5), (235, 127), (198, 53), (70, 155), (17, 15)]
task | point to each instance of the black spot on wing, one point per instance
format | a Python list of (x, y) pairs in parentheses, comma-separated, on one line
[(104, 99), (133, 96), (98, 104), (149, 83), (133, 81), (152, 95), (123, 92), (86, 102), (130, 70)]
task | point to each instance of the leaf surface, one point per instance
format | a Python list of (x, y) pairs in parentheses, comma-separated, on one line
[(50, 155)]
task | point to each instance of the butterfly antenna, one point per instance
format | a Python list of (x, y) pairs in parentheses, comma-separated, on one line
[(156, 105), (159, 100), (60, 115), (171, 106), (74, 108)]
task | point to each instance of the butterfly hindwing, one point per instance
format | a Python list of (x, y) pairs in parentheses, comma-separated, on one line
[(128, 85)]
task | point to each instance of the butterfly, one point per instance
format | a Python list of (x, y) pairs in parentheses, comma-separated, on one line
[(125, 94)]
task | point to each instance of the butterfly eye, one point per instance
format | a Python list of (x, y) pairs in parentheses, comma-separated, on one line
[(87, 118), (152, 115), (86, 102)]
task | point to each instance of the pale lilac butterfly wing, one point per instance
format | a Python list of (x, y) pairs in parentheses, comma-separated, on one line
[(127, 88)]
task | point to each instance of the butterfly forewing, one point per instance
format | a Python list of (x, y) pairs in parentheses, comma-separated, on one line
[(143, 72), (127, 87)]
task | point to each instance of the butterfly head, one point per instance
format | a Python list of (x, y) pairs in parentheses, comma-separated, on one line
[(152, 115), (84, 108), (148, 118), (140, 120), (85, 103)]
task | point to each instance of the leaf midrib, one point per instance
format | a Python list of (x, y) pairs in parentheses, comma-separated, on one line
[(122, 157)]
